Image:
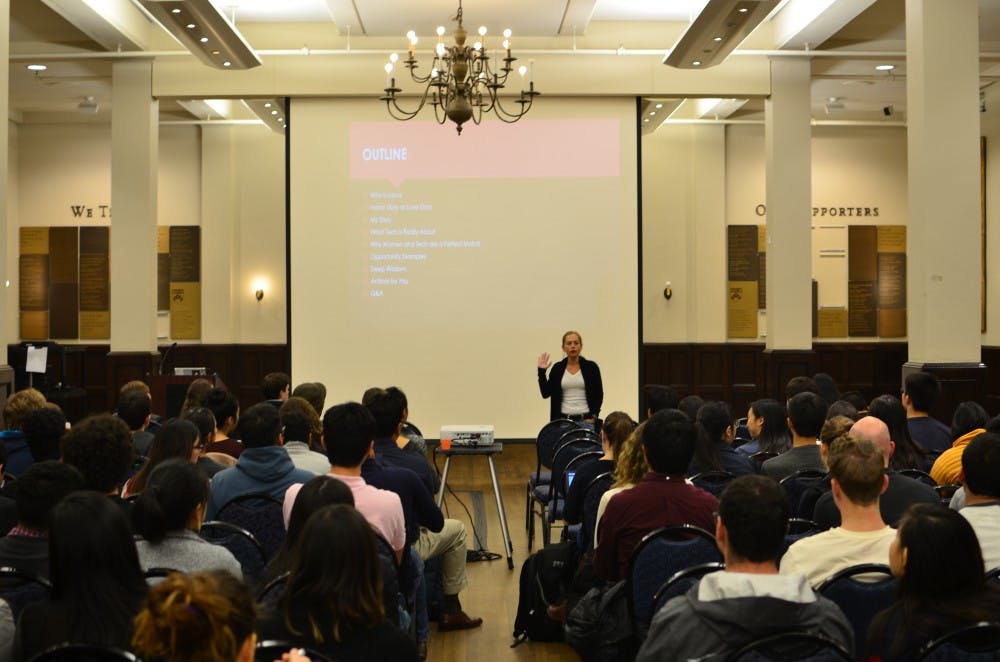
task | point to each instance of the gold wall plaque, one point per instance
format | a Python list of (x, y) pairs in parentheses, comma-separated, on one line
[(742, 318), (34, 241), (832, 323), (185, 311), (95, 324)]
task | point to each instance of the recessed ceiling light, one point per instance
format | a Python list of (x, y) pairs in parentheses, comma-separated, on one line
[(696, 63), (216, 52), (885, 67), (175, 10), (659, 105), (267, 105), (204, 40), (191, 26), (743, 10), (227, 63), (274, 112), (37, 67), (652, 112), (717, 39), (646, 120)]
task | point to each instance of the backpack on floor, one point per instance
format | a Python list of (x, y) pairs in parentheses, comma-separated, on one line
[(544, 577)]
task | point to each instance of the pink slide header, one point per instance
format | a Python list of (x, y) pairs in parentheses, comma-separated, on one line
[(530, 149)]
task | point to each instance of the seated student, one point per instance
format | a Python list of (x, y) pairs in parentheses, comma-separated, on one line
[(660, 397), (857, 479), (806, 415), (197, 391), (204, 420), (97, 584), (100, 446), (408, 439), (690, 404), (168, 515), (40, 488), (139, 386), (713, 449), (314, 393), (276, 388), (767, 425), (8, 490), (920, 393), (901, 491), (800, 384), (302, 431), (630, 468), (332, 601), (981, 469), (226, 409), (263, 466), (176, 439), (969, 422), (834, 428), (662, 497), (615, 430), (748, 600), (18, 406), (134, 408), (942, 585), (202, 617), (907, 453), (388, 412), (43, 428)]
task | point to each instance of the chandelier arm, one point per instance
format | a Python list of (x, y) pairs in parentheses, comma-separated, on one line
[(506, 115), (392, 103)]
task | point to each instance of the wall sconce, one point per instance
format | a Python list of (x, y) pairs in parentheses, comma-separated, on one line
[(668, 291), (259, 294), (259, 288)]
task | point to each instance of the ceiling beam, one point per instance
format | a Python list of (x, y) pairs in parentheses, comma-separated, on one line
[(114, 24), (576, 18), (809, 23), (346, 17)]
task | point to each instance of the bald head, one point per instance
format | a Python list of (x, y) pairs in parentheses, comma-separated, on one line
[(877, 432)]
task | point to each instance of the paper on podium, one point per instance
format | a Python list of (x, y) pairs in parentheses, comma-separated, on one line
[(37, 358)]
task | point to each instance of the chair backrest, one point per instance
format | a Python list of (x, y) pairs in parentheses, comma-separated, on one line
[(712, 481), (576, 435), (791, 646), (548, 436), (272, 649), (800, 525), (576, 464), (19, 589), (268, 595), (158, 573), (797, 483), (993, 577), (946, 492), (917, 474), (261, 515), (599, 484), (861, 600), (680, 583), (660, 555), (566, 453), (70, 652), (980, 641), (243, 545)]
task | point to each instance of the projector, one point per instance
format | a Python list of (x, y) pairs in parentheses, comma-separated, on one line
[(468, 435)]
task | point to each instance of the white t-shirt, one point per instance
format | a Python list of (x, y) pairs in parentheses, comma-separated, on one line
[(985, 521), (820, 556), (574, 394)]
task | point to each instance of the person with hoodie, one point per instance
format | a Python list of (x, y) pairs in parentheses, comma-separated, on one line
[(748, 600), (262, 468)]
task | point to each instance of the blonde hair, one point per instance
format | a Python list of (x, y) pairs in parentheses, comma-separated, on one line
[(572, 333), (20, 405), (630, 463), (202, 617)]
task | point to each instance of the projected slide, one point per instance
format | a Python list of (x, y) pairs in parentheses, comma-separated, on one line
[(446, 264)]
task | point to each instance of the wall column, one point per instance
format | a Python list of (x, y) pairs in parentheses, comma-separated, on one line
[(944, 233), (8, 223), (788, 132), (134, 165)]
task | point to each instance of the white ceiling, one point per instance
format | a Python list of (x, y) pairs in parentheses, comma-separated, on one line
[(635, 24)]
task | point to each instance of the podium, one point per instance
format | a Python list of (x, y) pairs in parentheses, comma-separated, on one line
[(168, 391)]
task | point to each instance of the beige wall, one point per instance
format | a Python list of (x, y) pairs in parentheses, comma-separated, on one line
[(990, 123)]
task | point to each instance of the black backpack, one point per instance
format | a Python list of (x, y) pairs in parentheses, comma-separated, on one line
[(544, 577)]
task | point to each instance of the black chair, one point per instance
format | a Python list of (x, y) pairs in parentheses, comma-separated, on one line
[(272, 649), (797, 483), (946, 492), (545, 448), (70, 652), (158, 573), (712, 481), (860, 600), (973, 643), (661, 554), (261, 515), (599, 484), (758, 458), (243, 545), (791, 646), (268, 595), (993, 577), (917, 474), (680, 583), (20, 588), (567, 452)]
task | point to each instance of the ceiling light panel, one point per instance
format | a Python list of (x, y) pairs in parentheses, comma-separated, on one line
[(213, 39), (720, 27)]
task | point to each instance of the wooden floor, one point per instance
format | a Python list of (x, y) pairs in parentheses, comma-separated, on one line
[(493, 589)]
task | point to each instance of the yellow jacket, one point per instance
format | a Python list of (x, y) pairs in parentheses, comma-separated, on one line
[(947, 469)]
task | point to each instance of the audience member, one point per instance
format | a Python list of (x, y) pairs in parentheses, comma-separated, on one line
[(176, 439), (204, 420), (17, 407), (197, 390), (388, 412), (942, 586), (833, 428), (713, 450), (801, 384), (43, 428), (842, 408), (768, 428), (659, 397), (806, 415), (262, 468), (981, 469), (826, 388), (40, 488), (100, 447), (969, 422), (690, 404), (749, 600), (920, 393), (202, 617), (857, 399), (408, 439), (302, 432), (662, 497), (97, 584), (616, 429), (332, 601), (901, 491), (226, 409), (134, 407), (857, 479), (8, 491), (908, 453), (630, 468), (314, 393), (168, 515), (276, 388)]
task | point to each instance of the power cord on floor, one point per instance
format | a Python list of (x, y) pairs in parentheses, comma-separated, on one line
[(471, 555)]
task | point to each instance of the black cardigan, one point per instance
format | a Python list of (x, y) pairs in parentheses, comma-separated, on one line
[(551, 387)]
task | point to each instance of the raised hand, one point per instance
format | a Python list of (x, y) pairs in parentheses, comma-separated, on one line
[(543, 361)]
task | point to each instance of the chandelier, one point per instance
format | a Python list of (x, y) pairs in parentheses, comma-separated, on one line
[(463, 83)]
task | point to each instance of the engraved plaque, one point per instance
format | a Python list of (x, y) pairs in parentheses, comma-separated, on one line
[(891, 281), (861, 253), (861, 320), (743, 262)]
